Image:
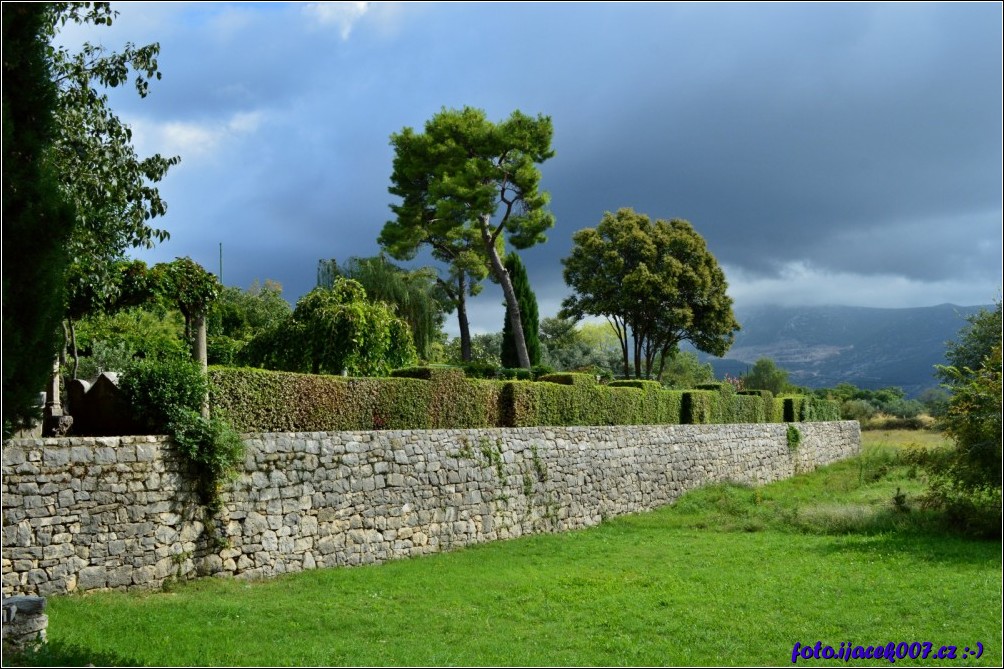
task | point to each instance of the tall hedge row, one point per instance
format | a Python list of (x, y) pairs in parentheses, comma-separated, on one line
[(255, 400)]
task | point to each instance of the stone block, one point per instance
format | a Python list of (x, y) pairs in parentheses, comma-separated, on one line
[(55, 456), (91, 578), (120, 576), (145, 576)]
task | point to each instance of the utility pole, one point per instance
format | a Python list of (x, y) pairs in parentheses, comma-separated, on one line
[(221, 263)]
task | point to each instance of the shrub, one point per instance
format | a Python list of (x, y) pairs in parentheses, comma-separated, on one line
[(766, 411), (697, 407), (794, 437), (212, 449), (642, 384), (569, 379), (157, 390), (966, 479), (166, 396), (223, 350)]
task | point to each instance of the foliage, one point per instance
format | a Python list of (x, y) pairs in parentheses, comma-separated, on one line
[(166, 397), (111, 187), (764, 411), (237, 316), (805, 408), (442, 398), (265, 401), (967, 354), (684, 370), (528, 315), (578, 348), (335, 330), (477, 370), (212, 449), (766, 375), (241, 314), (139, 321), (935, 401), (466, 182), (966, 479), (414, 295), (862, 404), (158, 390), (794, 437), (575, 399), (37, 219), (112, 341), (656, 283), (697, 407), (484, 349), (188, 286)]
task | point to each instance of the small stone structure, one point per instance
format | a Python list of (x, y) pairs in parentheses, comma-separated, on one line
[(98, 408), (117, 512), (24, 621)]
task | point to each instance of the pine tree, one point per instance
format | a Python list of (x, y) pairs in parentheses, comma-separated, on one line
[(529, 316)]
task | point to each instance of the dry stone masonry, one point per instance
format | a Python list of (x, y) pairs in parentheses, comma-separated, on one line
[(118, 512)]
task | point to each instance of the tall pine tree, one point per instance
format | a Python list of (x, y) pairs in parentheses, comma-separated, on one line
[(529, 316)]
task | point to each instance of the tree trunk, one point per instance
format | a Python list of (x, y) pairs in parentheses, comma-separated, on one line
[(637, 353), (622, 337), (512, 304), (662, 363), (73, 347), (465, 326), (200, 354)]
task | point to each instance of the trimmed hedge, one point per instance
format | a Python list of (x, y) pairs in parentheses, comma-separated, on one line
[(804, 408), (769, 413), (255, 400), (698, 407), (643, 384)]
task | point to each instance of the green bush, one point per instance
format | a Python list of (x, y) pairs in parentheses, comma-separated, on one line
[(570, 379), (712, 385), (767, 406), (642, 384), (212, 449), (414, 398), (698, 407), (824, 410), (750, 409), (166, 397), (158, 389), (794, 437), (223, 350), (806, 409)]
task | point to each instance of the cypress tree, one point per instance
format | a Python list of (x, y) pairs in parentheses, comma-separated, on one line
[(529, 316)]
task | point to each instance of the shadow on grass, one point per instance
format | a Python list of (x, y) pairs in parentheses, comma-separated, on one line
[(944, 547), (63, 654)]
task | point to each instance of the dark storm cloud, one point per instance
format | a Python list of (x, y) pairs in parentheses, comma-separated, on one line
[(831, 142), (789, 143)]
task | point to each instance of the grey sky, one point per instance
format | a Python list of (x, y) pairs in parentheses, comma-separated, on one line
[(828, 153)]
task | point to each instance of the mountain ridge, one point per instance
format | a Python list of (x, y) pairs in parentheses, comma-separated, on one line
[(870, 347)]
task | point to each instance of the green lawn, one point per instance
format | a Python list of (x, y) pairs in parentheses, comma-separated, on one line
[(727, 576)]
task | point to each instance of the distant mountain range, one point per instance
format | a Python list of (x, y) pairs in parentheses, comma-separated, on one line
[(870, 348)]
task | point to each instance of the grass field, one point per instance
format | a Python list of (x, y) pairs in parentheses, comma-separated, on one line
[(727, 576)]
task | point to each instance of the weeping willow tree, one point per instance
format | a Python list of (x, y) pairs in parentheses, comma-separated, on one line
[(414, 295)]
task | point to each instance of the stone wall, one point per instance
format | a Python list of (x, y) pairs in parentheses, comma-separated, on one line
[(24, 622), (117, 512)]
